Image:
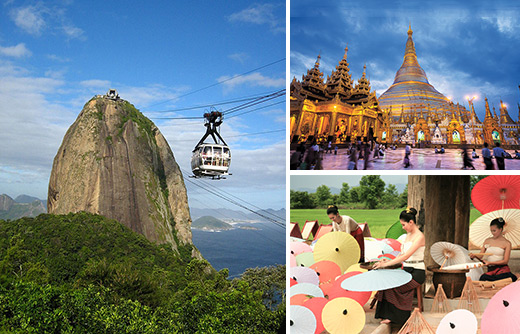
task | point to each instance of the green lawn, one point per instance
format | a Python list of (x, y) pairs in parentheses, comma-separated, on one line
[(378, 220)]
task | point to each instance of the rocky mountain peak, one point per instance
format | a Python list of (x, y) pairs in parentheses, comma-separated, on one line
[(115, 162)]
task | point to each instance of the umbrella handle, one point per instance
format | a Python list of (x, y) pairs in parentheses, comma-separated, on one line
[(443, 262)]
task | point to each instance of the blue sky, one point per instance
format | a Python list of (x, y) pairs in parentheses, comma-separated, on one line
[(465, 47), (56, 55)]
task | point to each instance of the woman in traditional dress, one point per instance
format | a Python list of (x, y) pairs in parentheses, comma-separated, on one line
[(395, 305), (347, 224), (500, 248)]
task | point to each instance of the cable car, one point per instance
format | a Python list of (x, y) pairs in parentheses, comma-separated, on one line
[(211, 159)]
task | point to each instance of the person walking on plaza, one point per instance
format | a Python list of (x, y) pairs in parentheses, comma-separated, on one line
[(467, 160), (486, 155), (352, 164), (407, 152), (366, 156), (499, 154), (329, 147)]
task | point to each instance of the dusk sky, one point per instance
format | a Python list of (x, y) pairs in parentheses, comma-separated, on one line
[(465, 47), (56, 55)]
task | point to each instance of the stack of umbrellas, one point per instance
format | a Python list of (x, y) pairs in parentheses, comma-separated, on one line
[(317, 276)]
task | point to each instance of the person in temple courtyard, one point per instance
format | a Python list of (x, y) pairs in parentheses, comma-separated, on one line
[(500, 247), (349, 225)]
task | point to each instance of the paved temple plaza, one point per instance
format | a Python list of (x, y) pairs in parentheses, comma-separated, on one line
[(411, 111), (421, 158)]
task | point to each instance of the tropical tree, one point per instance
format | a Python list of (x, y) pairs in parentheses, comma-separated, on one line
[(371, 190)]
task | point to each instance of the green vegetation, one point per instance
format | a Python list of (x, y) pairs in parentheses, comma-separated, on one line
[(131, 113), (371, 194), (83, 273), (210, 222), (379, 221)]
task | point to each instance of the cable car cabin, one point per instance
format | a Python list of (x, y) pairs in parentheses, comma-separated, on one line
[(211, 160)]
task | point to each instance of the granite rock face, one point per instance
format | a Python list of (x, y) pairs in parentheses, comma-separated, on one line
[(114, 161)]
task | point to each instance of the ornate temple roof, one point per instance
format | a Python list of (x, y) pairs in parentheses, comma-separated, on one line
[(504, 115), (340, 81), (411, 87)]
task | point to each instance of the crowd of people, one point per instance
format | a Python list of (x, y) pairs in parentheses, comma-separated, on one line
[(360, 154)]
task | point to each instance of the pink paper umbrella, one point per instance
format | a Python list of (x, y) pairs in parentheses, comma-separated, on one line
[(326, 270), (337, 291), (292, 260), (304, 275), (502, 314), (300, 247), (316, 306)]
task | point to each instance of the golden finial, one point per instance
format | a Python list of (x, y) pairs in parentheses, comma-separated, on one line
[(346, 50), (410, 32), (317, 64)]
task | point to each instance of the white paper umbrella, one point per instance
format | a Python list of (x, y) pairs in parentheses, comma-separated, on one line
[(304, 275), (447, 254), (462, 266), (375, 280), (374, 248), (302, 320), (458, 322), (479, 230), (307, 289)]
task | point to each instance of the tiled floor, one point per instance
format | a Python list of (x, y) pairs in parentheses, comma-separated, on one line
[(420, 159)]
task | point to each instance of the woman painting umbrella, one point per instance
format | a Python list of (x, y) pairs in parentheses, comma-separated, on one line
[(395, 305), (348, 225), (500, 247)]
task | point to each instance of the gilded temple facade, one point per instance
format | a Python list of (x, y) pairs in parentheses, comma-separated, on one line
[(410, 111), (337, 110), (420, 114)]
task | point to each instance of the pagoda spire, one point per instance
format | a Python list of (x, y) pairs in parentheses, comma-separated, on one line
[(488, 111), (314, 78), (410, 69), (340, 81), (504, 115), (495, 114)]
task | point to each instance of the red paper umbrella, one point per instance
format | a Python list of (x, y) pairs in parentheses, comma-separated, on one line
[(326, 287), (337, 291), (496, 192), (292, 281), (396, 245), (326, 270), (316, 306), (299, 299)]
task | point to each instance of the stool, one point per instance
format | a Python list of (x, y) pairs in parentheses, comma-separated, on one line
[(418, 292)]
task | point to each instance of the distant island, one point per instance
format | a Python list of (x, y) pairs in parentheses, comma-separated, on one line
[(209, 223)]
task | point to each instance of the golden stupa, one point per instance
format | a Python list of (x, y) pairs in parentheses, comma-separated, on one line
[(411, 92)]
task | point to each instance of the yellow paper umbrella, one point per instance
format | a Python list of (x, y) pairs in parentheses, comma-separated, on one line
[(355, 267), (479, 230), (343, 316), (338, 247)]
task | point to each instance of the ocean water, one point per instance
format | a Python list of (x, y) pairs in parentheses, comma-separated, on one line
[(239, 249)]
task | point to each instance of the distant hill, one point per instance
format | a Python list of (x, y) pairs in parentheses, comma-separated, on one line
[(228, 214), (210, 223), (22, 206)]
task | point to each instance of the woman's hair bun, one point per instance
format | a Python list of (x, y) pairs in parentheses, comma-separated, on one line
[(332, 209), (498, 222)]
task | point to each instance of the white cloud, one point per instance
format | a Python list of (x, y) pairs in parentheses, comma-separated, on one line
[(73, 32), (16, 51), (253, 79), (240, 57), (505, 22), (96, 83), (261, 14), (30, 19), (58, 58)]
